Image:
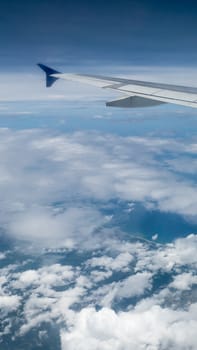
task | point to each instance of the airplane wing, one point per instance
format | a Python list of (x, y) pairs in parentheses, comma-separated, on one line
[(135, 93)]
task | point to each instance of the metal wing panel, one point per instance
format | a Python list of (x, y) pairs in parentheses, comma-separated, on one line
[(165, 93), (154, 85), (177, 95), (139, 89), (169, 100), (162, 95), (85, 79)]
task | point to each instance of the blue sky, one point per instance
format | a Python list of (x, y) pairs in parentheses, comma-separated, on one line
[(93, 33), (147, 40)]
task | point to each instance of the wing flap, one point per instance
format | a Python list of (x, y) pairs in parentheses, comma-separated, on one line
[(133, 102)]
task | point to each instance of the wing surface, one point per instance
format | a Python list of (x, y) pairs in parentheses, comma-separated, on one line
[(136, 93), (163, 93)]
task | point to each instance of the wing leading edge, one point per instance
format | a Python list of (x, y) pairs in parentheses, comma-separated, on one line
[(136, 93)]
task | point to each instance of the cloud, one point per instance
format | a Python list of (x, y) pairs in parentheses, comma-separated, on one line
[(89, 311), (184, 281), (120, 262), (46, 276), (60, 181), (127, 169), (8, 303), (2, 255), (101, 288), (50, 228), (134, 285), (32, 87), (151, 329), (179, 253), (53, 191)]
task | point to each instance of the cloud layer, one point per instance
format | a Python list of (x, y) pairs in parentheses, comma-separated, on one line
[(49, 183), (101, 288), (114, 311)]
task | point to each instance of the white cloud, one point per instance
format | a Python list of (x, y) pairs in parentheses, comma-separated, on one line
[(163, 318), (8, 303), (134, 285), (50, 228), (2, 256), (98, 276), (152, 329), (46, 276), (155, 237), (184, 281), (182, 252), (49, 186), (32, 87), (79, 168), (120, 262)]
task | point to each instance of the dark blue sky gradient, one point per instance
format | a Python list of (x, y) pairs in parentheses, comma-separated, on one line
[(90, 33)]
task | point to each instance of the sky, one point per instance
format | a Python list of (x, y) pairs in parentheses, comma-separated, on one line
[(86, 33), (147, 40), (98, 206)]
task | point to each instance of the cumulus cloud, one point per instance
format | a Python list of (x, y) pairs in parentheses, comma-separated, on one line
[(134, 285), (153, 329), (180, 253), (8, 303), (46, 276), (184, 281), (120, 262), (62, 294)]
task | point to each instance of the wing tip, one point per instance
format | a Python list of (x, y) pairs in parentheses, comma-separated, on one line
[(50, 80)]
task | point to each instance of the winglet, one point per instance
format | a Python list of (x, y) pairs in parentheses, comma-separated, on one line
[(50, 80)]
